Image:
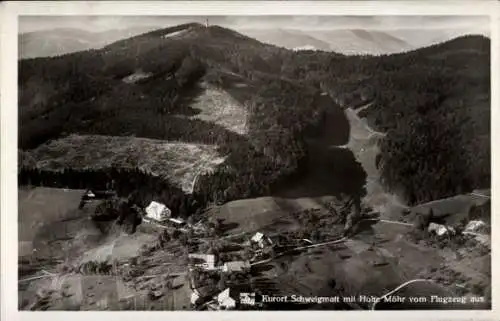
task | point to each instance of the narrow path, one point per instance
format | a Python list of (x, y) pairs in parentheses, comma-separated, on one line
[(343, 239), (363, 107), (397, 289)]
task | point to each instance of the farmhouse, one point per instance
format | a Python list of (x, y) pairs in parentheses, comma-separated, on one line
[(261, 240), (157, 212), (208, 260), (440, 230), (475, 226), (236, 266)]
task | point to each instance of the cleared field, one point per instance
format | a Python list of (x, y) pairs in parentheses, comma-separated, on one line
[(218, 107), (178, 161), (50, 222)]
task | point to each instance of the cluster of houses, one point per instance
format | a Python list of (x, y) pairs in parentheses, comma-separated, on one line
[(160, 215), (229, 298)]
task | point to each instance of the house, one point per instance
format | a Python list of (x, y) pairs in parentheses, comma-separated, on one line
[(208, 260), (89, 194), (195, 296), (261, 240), (157, 212), (440, 230), (475, 226), (95, 195), (226, 299), (236, 266)]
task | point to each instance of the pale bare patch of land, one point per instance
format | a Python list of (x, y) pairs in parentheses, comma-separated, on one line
[(217, 106), (180, 162)]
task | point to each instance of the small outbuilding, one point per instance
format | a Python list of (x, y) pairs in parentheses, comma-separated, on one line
[(261, 240), (178, 222), (208, 260), (236, 266), (475, 226), (440, 230)]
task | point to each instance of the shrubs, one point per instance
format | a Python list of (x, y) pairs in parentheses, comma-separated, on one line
[(107, 210)]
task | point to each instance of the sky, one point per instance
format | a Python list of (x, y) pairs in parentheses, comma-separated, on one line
[(472, 24)]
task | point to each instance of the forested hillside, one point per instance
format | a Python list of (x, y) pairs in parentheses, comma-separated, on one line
[(432, 102)]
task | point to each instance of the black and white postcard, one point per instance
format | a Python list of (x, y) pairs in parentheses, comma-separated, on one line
[(329, 157)]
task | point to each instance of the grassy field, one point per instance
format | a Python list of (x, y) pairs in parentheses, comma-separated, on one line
[(179, 161), (251, 215), (50, 222), (47, 215), (119, 246)]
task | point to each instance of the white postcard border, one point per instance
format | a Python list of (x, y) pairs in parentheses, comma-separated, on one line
[(8, 102)]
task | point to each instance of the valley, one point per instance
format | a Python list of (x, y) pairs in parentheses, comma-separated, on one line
[(256, 151)]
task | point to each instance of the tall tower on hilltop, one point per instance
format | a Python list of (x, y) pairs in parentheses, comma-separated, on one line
[(206, 23)]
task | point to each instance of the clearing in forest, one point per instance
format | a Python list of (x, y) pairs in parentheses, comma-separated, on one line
[(180, 162)]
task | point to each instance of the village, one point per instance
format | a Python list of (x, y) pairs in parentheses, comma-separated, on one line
[(220, 268)]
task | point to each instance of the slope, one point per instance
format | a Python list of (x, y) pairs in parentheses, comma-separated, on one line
[(433, 103), (414, 96)]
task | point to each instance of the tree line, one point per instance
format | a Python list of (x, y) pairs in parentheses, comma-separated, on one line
[(138, 186)]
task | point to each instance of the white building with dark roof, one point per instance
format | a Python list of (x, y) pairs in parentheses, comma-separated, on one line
[(158, 212)]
